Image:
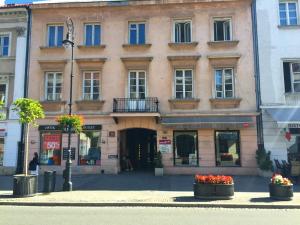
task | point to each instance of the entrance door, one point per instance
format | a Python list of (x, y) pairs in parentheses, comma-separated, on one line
[(140, 148)]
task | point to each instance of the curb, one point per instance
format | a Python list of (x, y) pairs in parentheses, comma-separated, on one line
[(148, 204)]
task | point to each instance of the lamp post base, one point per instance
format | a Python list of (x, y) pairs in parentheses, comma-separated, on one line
[(67, 186)]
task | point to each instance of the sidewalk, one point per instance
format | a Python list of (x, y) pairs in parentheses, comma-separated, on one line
[(146, 190)]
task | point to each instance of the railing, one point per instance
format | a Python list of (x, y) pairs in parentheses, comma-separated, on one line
[(135, 105)]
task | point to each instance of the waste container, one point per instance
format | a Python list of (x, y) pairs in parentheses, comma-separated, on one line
[(49, 181)]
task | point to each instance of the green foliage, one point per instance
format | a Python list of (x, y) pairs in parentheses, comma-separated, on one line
[(29, 110), (158, 160), (75, 122), (2, 114), (263, 160)]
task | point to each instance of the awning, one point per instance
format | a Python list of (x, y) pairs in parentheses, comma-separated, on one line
[(218, 122), (288, 116)]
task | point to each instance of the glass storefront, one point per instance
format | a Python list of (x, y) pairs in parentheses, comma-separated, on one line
[(50, 153), (227, 148), (89, 148), (1, 150)]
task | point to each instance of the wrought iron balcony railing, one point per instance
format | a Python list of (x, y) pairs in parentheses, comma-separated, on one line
[(125, 105)]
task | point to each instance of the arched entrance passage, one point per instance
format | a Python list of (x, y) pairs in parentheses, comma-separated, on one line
[(139, 146)]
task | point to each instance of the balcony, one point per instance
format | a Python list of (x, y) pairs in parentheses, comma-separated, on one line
[(132, 105)]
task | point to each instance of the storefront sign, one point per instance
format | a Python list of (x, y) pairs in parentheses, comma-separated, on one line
[(56, 127), (65, 153), (165, 146), (52, 141), (293, 125), (91, 127), (112, 156)]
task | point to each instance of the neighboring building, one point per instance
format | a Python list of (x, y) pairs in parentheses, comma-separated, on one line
[(13, 37), (278, 44), (149, 75)]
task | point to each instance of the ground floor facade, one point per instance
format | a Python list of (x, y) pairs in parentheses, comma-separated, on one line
[(189, 148)]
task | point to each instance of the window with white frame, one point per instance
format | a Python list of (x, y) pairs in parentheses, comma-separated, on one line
[(55, 35), (183, 83), (291, 72), (288, 12), (137, 33), (53, 86), (224, 83), (3, 92), (182, 31), (222, 29), (137, 84), (92, 34), (91, 85), (4, 45)]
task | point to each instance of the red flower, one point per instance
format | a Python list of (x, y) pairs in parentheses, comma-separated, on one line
[(212, 179)]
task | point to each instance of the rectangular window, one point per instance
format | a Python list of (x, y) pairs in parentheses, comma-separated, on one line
[(182, 31), (186, 148), (53, 86), (222, 29), (50, 148), (137, 84), (4, 45), (90, 148), (92, 34), (1, 150), (137, 35), (291, 71), (224, 83), (55, 35), (184, 84), (91, 85), (288, 13), (3, 92), (227, 148)]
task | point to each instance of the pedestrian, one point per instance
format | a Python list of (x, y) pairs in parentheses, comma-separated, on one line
[(34, 165)]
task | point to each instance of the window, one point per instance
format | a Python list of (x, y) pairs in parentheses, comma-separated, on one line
[(182, 31), (91, 89), (4, 45), (3, 92), (50, 148), (53, 86), (89, 148), (92, 34), (137, 33), (224, 83), (1, 150), (222, 29), (183, 84), (291, 71), (55, 35), (185, 148), (227, 148), (137, 84), (288, 13)]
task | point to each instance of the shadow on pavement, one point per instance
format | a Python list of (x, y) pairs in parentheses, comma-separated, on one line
[(192, 199), (264, 199)]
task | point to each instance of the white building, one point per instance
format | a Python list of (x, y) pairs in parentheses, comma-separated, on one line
[(278, 30), (13, 49)]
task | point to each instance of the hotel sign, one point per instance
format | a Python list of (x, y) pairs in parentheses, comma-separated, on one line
[(165, 146)]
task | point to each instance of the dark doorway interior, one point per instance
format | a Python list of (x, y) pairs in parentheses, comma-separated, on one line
[(139, 145)]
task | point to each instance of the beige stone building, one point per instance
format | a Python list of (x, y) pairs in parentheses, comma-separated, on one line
[(166, 75)]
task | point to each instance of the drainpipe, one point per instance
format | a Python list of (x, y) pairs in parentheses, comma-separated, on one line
[(259, 123), (20, 162)]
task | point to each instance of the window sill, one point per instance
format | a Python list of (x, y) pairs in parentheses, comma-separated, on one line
[(91, 46), (225, 103), (7, 58), (53, 106), (136, 46), (84, 105), (183, 45), (223, 43), (284, 27), (52, 48), (191, 103)]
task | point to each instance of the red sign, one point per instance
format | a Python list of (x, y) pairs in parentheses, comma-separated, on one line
[(164, 142), (52, 141)]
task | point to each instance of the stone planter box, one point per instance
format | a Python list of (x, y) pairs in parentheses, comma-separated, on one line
[(158, 171), (213, 191), (281, 192), (25, 186)]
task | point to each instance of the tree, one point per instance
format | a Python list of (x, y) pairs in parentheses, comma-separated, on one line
[(29, 111)]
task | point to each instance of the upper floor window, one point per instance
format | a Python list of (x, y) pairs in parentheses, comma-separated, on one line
[(291, 72), (183, 84), (137, 84), (137, 33), (55, 35), (182, 31), (224, 83), (222, 29), (288, 13), (53, 86), (91, 86), (4, 45), (92, 34)]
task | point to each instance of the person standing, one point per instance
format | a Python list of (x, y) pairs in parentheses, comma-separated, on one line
[(34, 165)]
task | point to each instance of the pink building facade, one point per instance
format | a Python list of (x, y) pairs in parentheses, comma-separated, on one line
[(149, 76)]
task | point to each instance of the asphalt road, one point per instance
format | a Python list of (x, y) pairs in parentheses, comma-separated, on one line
[(19, 215)]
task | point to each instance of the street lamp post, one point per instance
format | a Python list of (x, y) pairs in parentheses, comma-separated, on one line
[(69, 41)]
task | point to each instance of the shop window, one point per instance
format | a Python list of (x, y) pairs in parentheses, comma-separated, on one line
[(227, 148), (185, 148), (50, 148), (1, 150), (90, 148)]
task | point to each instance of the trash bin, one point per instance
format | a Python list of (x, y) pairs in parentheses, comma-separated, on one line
[(49, 181)]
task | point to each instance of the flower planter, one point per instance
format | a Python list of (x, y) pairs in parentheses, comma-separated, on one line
[(25, 186), (213, 191), (281, 192), (159, 171)]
